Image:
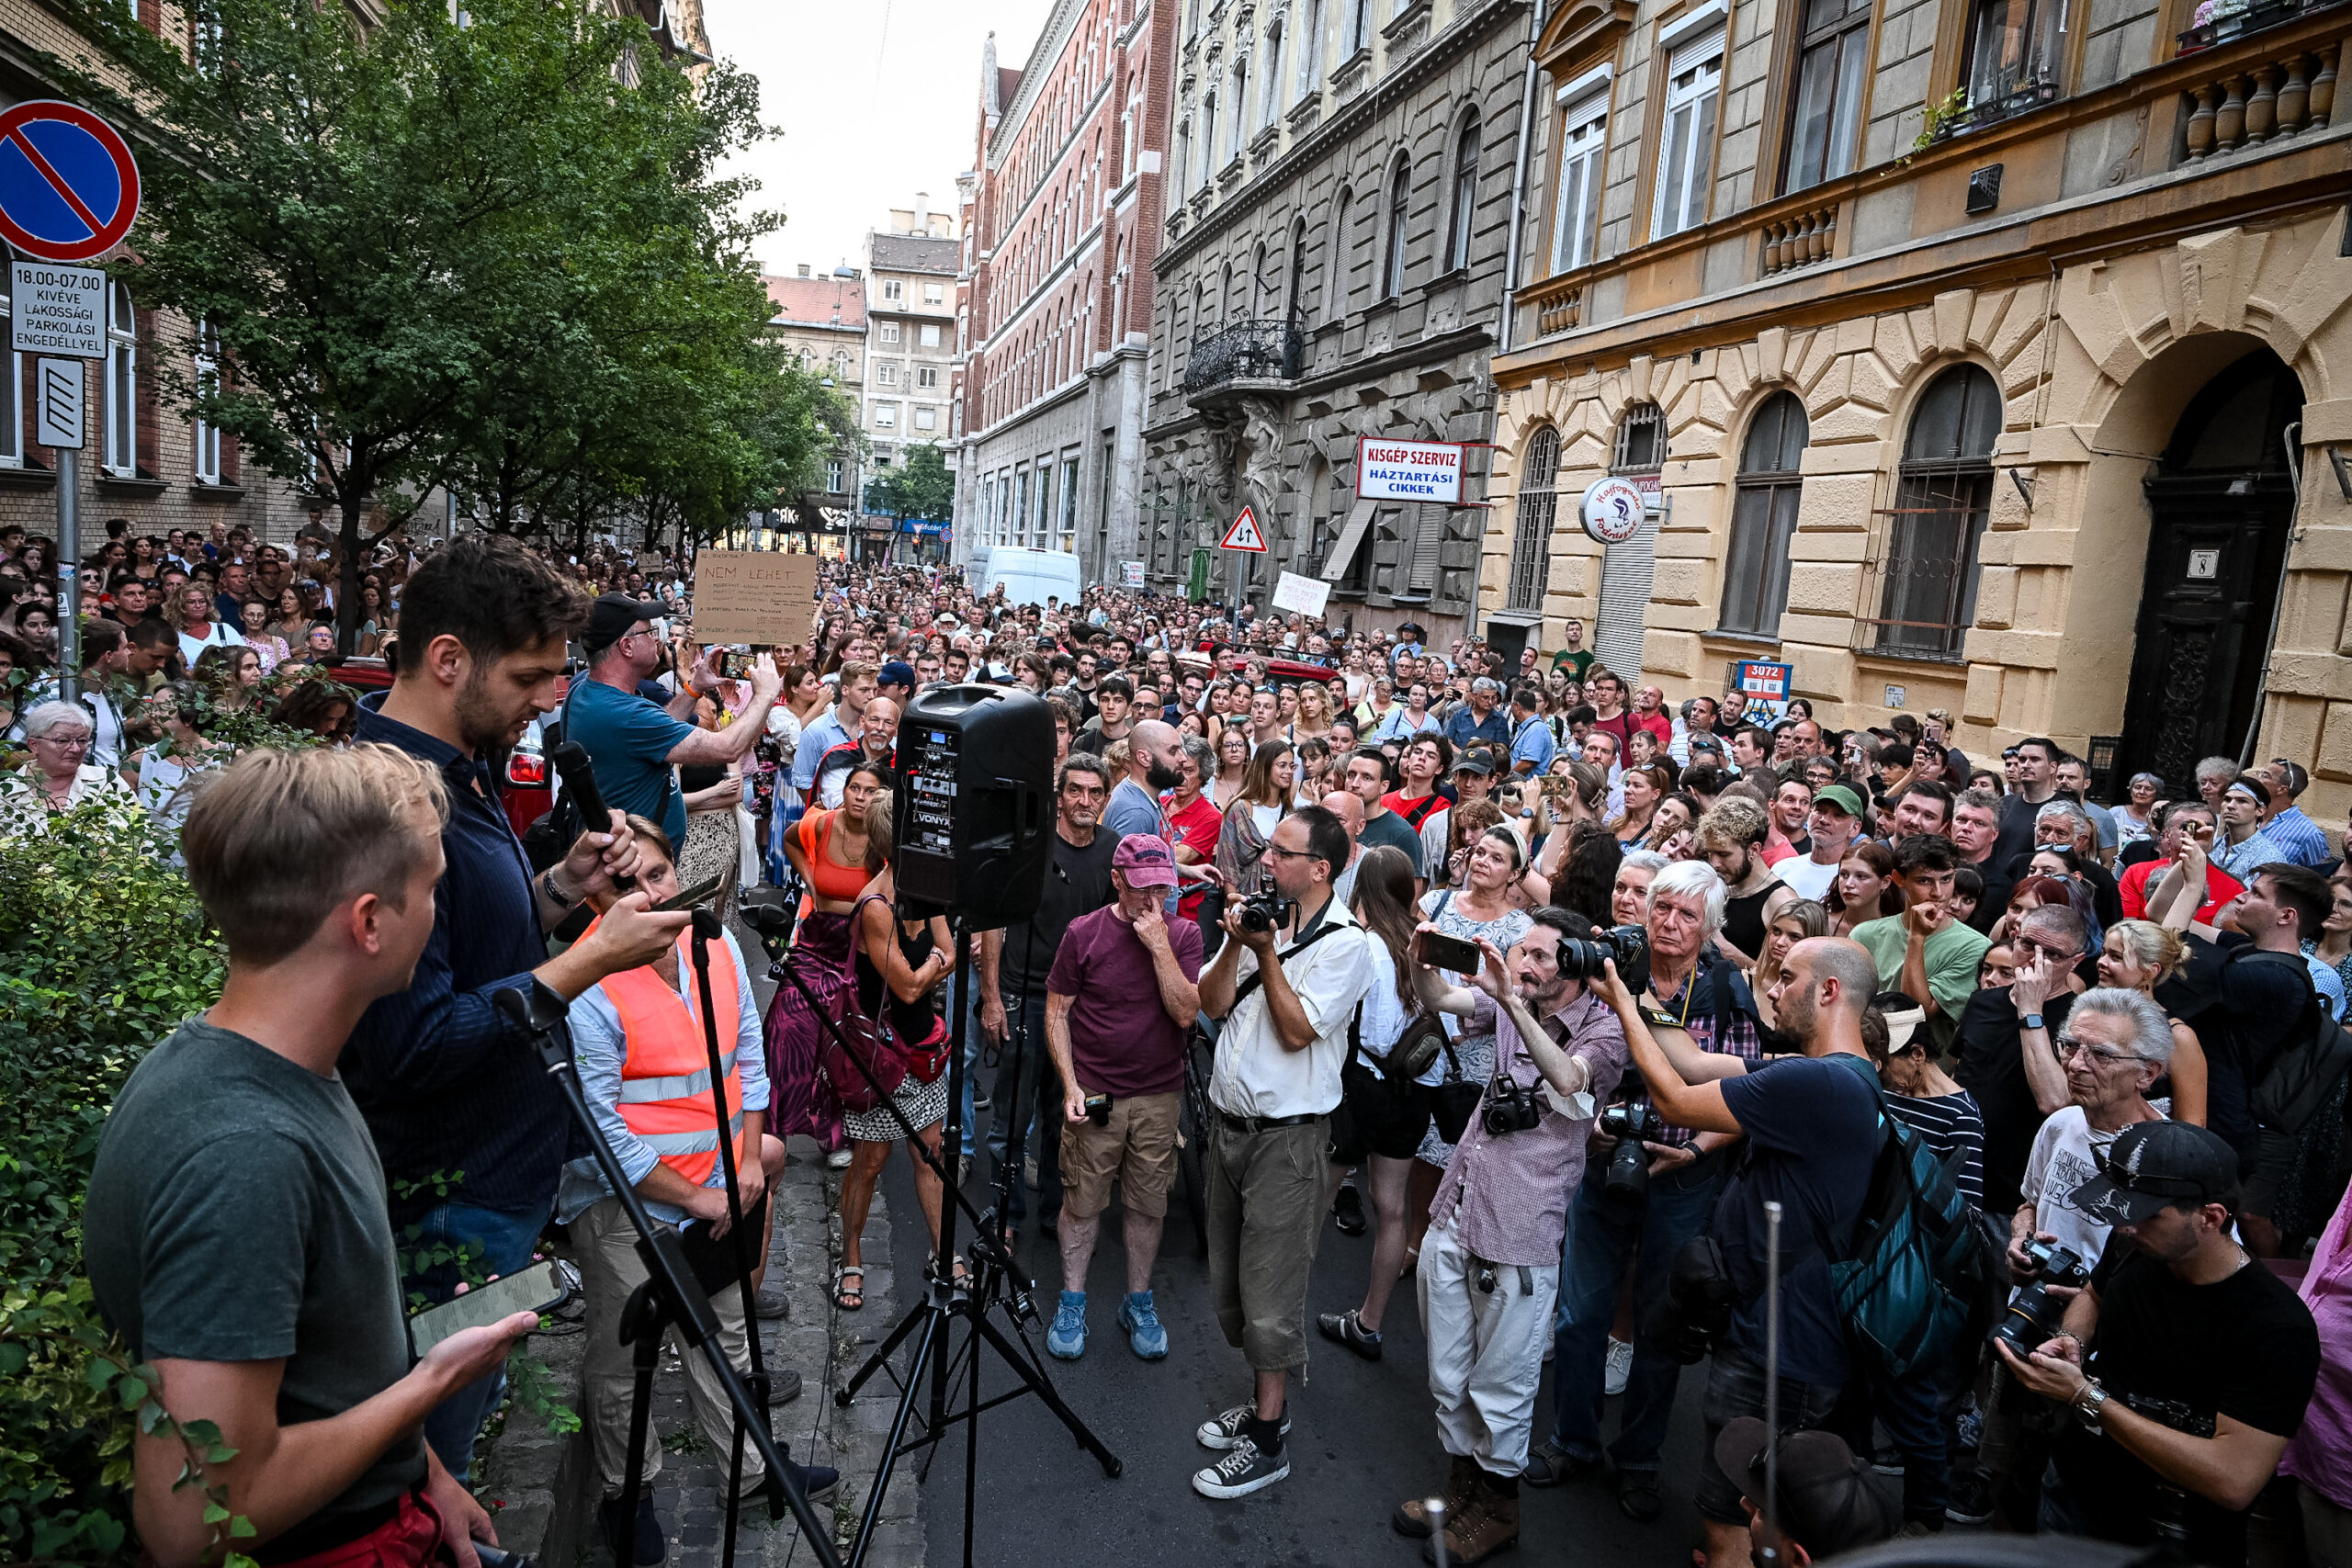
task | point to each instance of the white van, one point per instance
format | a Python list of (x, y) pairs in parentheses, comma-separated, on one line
[(1029, 576)]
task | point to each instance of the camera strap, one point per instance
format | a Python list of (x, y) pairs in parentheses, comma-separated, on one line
[(1321, 930)]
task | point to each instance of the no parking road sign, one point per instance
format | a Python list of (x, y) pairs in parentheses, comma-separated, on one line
[(68, 188)]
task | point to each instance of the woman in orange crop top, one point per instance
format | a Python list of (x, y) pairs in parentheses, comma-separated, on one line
[(827, 850)]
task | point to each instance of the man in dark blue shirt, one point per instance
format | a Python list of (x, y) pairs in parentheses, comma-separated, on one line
[(1479, 719), (471, 1134)]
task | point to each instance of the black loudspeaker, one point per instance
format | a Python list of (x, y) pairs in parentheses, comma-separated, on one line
[(974, 816)]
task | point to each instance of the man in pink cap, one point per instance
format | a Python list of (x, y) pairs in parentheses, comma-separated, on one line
[(1118, 1002)]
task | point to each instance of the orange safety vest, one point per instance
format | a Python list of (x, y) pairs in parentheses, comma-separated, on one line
[(665, 1078)]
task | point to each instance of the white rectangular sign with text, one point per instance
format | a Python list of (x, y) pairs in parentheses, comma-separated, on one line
[(1409, 470), (57, 310)]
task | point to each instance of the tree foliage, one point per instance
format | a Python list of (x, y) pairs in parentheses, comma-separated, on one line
[(919, 487), (494, 256)]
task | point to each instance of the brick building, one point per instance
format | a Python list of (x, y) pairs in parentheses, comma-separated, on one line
[(1339, 216), (1066, 209), (1981, 356), (821, 320)]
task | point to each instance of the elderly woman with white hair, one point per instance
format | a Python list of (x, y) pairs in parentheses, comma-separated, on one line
[(60, 776)]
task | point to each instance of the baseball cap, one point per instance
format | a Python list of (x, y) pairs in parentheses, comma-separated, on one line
[(1838, 795), (897, 672), (611, 616), (1826, 1502), (1473, 762), (2154, 1164), (1142, 859)]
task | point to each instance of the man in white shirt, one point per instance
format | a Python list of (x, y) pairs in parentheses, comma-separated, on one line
[(1285, 1011), (1833, 825)]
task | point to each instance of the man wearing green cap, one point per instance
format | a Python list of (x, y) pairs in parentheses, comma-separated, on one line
[(1834, 823)]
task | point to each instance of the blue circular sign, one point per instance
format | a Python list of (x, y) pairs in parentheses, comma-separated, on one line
[(68, 188)]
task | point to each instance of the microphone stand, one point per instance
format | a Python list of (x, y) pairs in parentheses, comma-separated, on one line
[(670, 1290)]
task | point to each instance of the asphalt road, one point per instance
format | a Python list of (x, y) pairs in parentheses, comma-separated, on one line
[(1362, 1436)]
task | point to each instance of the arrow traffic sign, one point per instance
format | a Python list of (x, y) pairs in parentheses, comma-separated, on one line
[(69, 187), (1244, 535)]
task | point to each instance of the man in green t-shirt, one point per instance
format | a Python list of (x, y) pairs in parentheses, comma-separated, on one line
[(1576, 658), (235, 1231), (1922, 952)]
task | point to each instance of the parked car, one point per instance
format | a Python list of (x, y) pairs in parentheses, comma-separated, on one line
[(527, 785)]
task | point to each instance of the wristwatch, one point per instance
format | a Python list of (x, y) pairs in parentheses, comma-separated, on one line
[(2031, 1020), (2088, 1403)]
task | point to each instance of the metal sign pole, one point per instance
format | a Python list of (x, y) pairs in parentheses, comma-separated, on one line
[(58, 426)]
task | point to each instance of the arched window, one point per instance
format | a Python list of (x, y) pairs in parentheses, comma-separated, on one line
[(1942, 495), (1400, 198), (1531, 545), (1764, 518), (1337, 257), (1261, 285), (1297, 272), (1466, 195)]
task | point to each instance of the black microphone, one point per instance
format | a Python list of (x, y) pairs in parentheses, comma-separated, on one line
[(571, 765)]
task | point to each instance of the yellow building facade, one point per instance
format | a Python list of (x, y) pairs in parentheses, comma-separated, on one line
[(1981, 355)]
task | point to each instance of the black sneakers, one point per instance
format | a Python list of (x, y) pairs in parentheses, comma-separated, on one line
[(1348, 1208), (1224, 1431), (1349, 1330), (1242, 1471)]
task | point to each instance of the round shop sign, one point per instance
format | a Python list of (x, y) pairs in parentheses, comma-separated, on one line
[(1612, 510)]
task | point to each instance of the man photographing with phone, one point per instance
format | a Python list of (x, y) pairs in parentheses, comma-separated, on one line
[(285, 1334)]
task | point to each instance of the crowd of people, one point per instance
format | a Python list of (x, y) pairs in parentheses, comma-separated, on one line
[(1549, 989)]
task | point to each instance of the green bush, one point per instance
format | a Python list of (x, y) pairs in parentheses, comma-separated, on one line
[(103, 951)]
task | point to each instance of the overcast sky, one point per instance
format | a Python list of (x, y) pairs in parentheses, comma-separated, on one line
[(876, 100)]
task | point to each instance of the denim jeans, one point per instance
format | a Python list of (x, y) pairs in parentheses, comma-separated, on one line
[(1601, 1235), (488, 1241), (1023, 1106)]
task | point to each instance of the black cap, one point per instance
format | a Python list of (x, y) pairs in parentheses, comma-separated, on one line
[(1472, 760), (611, 616), (1827, 1502), (2154, 1164)]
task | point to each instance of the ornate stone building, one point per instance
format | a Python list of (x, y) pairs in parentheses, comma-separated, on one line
[(1339, 225), (1064, 200), (1984, 355)]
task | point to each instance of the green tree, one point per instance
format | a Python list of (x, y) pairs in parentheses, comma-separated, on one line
[(440, 254)]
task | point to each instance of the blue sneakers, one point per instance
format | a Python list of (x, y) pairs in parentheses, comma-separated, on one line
[(1066, 1341), (1141, 1321)]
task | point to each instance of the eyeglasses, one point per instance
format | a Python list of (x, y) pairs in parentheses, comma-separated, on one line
[(1290, 854), (2069, 1046)]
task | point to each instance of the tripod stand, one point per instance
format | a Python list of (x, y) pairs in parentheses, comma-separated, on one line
[(996, 1281), (670, 1293)]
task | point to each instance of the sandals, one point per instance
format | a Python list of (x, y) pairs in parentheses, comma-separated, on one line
[(846, 1296)]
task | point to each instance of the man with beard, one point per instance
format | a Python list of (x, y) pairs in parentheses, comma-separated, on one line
[(445, 1088), (1155, 766)]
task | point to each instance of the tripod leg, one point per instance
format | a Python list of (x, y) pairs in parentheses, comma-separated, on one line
[(934, 1322), (641, 1326), (1043, 1387), (883, 1352)]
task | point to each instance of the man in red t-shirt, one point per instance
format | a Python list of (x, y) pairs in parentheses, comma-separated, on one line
[(1194, 820), (1417, 800), (2220, 885)]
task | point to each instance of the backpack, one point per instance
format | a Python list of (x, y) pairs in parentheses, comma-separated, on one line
[(1915, 1268)]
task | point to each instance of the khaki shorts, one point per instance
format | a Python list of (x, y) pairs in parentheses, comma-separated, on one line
[(1138, 1146)]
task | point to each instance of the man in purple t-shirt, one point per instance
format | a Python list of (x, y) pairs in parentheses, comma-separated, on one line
[(1121, 995)]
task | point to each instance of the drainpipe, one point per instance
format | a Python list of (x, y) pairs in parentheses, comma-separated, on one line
[(1519, 180), (2291, 437)]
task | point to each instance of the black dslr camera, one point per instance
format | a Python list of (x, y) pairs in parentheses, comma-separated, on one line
[(2036, 1315), (1266, 910), (1627, 1179), (1510, 1108), (1629, 946)]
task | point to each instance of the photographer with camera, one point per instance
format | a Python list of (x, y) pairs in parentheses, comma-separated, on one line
[(1286, 1009), (1648, 1190), (1489, 1270), (2184, 1364), (1812, 1126)]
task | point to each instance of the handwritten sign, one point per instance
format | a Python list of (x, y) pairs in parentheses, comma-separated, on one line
[(1306, 595), (755, 596)]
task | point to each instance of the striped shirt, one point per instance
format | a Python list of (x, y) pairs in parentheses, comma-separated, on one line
[(1949, 1124), (2298, 836)]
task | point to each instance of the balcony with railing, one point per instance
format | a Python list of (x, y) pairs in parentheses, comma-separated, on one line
[(1245, 351), (2256, 83)]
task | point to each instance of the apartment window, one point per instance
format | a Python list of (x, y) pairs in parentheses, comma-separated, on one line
[(2015, 48), (1392, 267), (1358, 26), (926, 420), (12, 409), (890, 332), (935, 294), (207, 380), (885, 416), (1641, 441), (1764, 518), (1686, 151), (1310, 47), (886, 375), (1465, 194), (1830, 73), (1067, 526), (1209, 138), (892, 289), (1531, 545), (1240, 104), (1576, 224), (927, 334), (832, 476), (1270, 93), (121, 455), (1942, 494), (927, 375), (1335, 269)]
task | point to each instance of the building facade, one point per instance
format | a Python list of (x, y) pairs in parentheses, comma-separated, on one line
[(820, 321), (910, 340), (1066, 205), (1982, 356), (1341, 224)]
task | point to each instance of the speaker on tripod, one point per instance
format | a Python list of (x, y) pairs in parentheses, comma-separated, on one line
[(975, 811)]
